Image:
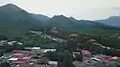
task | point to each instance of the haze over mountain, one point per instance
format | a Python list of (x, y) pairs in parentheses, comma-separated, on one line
[(15, 21), (113, 21), (69, 23)]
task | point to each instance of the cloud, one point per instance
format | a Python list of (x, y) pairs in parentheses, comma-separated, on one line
[(81, 9), (116, 8)]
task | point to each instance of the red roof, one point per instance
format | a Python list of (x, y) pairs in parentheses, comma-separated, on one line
[(24, 60), (74, 35), (18, 55), (17, 51), (85, 51), (76, 52), (105, 58), (114, 58)]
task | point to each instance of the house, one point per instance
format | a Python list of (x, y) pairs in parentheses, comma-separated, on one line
[(28, 48), (33, 48), (13, 60), (3, 42), (86, 54), (19, 43), (23, 60), (74, 35), (46, 50), (91, 40), (54, 30), (12, 42), (53, 63), (85, 51), (17, 51), (18, 55), (36, 49)]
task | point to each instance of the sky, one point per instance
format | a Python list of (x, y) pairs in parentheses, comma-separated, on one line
[(79, 9)]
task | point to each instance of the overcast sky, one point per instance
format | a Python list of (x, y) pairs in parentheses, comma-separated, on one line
[(80, 9)]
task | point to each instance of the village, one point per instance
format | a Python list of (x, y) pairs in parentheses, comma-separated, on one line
[(38, 57), (59, 33), (18, 56), (32, 56), (29, 57)]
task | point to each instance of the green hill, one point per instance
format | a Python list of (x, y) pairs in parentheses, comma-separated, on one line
[(15, 21)]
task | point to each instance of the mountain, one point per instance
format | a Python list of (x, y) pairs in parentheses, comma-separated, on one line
[(15, 21), (40, 17), (63, 22), (113, 21), (73, 19)]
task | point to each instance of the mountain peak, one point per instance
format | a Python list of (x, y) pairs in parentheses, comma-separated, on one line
[(59, 16), (72, 18), (10, 4), (10, 7), (114, 17), (112, 21)]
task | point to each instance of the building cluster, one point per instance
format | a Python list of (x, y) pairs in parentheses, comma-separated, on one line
[(30, 57), (3, 42)]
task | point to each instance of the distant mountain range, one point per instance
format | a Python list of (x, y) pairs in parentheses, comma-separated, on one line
[(113, 21), (15, 21), (69, 23)]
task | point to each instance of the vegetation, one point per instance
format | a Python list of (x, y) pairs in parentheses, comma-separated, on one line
[(6, 48), (108, 38), (36, 40)]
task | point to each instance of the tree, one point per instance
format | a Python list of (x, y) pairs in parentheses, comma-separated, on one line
[(5, 64), (3, 37), (68, 59)]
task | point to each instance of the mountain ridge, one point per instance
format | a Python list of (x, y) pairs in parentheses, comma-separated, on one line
[(15, 21), (65, 22), (113, 21)]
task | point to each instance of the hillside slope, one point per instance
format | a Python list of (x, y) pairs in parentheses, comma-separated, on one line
[(16, 21)]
